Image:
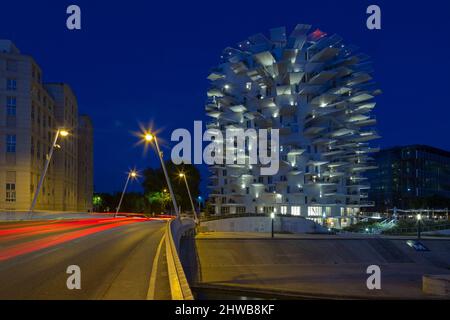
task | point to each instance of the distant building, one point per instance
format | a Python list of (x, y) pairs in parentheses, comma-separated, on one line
[(85, 164), (66, 166), (319, 93), (30, 113), (415, 176)]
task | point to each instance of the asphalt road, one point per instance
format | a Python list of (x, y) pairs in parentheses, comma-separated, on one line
[(115, 258)]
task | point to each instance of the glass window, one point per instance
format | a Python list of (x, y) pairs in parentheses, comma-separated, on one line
[(11, 143), (11, 103), (240, 210), (283, 209), (11, 192), (11, 84), (314, 211), (295, 210), (269, 210)]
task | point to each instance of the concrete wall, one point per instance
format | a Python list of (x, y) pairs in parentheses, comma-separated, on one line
[(319, 265), (180, 227), (263, 224)]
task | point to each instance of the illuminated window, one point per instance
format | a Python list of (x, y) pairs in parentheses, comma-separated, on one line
[(314, 211), (295, 210), (283, 209)]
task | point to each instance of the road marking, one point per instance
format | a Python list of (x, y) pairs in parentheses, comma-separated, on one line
[(152, 285)]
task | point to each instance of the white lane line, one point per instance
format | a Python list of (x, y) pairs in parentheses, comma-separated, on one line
[(152, 285)]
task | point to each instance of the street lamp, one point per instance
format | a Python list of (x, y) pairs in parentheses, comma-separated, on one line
[(182, 175), (199, 200), (149, 137), (272, 217), (419, 222), (131, 175), (60, 132)]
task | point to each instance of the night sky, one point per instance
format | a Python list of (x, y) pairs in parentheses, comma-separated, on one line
[(140, 61)]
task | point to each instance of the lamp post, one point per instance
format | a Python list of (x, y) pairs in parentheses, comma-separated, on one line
[(148, 137), (60, 132), (182, 175), (419, 225), (131, 175), (199, 200), (272, 217)]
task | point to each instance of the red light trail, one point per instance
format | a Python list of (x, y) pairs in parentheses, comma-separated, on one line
[(66, 231)]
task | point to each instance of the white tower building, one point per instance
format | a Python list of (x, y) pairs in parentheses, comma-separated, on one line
[(319, 93)]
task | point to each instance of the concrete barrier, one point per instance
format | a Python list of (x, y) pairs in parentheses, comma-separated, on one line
[(262, 224), (179, 285), (438, 285)]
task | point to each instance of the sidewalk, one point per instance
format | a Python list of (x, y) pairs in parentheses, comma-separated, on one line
[(15, 216)]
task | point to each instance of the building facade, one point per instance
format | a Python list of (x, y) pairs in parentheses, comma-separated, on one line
[(410, 177), (30, 114), (66, 166), (85, 164), (318, 93)]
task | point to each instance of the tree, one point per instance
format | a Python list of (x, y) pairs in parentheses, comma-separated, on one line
[(154, 182), (132, 202), (158, 201)]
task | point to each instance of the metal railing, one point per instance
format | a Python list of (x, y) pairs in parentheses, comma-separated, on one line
[(240, 215), (424, 228)]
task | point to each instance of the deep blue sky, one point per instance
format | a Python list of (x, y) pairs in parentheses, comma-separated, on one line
[(136, 61)]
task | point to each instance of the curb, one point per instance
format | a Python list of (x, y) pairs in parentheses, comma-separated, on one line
[(179, 285)]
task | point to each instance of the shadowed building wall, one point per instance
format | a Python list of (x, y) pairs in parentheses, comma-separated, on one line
[(85, 163)]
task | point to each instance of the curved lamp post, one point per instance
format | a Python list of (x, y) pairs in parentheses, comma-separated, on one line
[(131, 175), (149, 137), (60, 132), (419, 225), (182, 175)]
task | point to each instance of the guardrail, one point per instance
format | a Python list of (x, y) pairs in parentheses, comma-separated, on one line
[(179, 286), (398, 231), (240, 215)]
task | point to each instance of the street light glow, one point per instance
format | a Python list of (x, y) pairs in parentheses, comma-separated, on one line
[(133, 174), (181, 175), (148, 137), (419, 217), (60, 132)]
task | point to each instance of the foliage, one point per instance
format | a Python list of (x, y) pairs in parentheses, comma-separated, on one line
[(156, 196), (154, 184)]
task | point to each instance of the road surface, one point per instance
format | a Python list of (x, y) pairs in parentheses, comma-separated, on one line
[(115, 257)]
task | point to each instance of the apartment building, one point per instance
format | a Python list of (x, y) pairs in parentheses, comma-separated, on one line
[(318, 92), (30, 114), (66, 166), (85, 164)]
